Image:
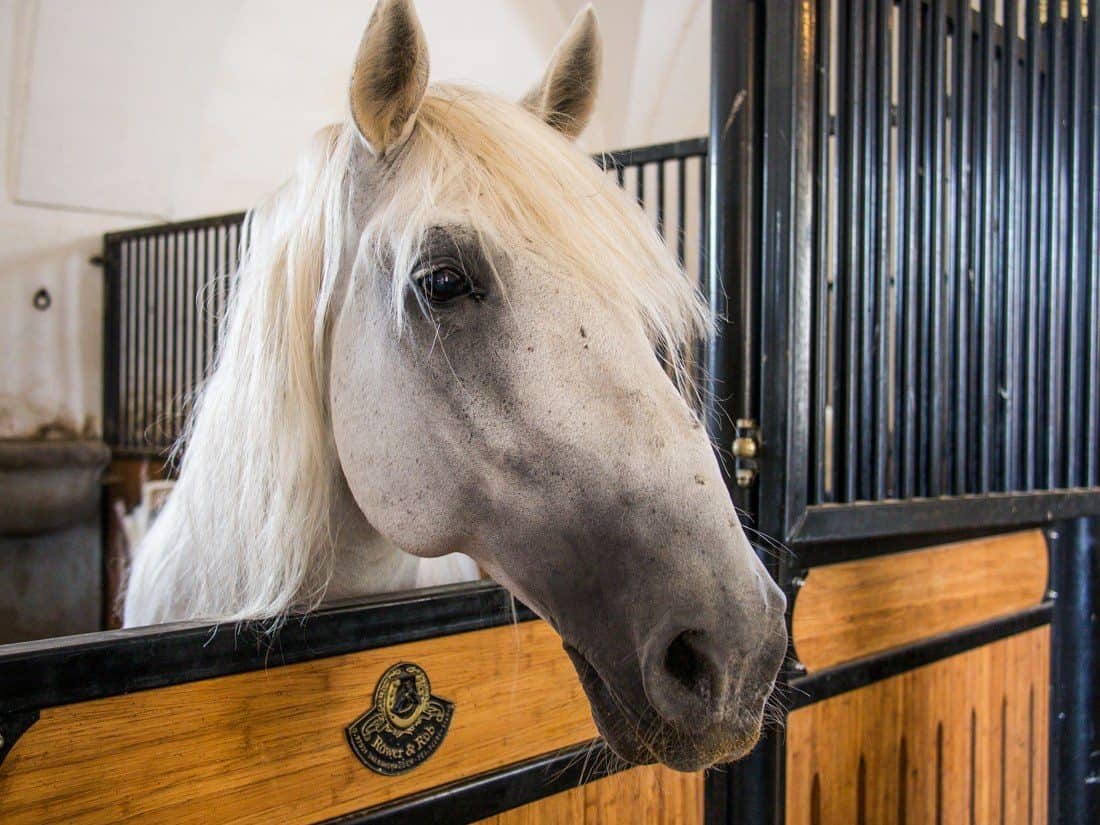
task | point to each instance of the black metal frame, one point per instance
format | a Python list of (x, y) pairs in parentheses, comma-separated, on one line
[(769, 250), (770, 164), (51, 672), (476, 798)]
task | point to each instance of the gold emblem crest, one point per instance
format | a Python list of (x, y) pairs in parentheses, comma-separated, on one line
[(405, 725)]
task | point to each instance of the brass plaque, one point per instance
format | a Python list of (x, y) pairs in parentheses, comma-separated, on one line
[(405, 725)]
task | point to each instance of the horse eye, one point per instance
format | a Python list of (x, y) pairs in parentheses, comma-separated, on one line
[(441, 286)]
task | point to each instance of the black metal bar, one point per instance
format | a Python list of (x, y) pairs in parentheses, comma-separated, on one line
[(716, 802), (112, 344), (934, 125), (961, 111), (173, 326), (705, 256), (751, 49), (949, 312), (835, 522), (1075, 672), (833, 681), (681, 211), (55, 672), (925, 269), (909, 145), (733, 188), (847, 431), (1032, 303), (209, 265), (126, 297), (1042, 272), (823, 267), (480, 797), (880, 332), (133, 384), (868, 272), (1056, 295), (1092, 413), (693, 147), (1073, 400), (147, 310), (163, 392), (1013, 298), (221, 282), (987, 318), (180, 332), (661, 199), (192, 310)]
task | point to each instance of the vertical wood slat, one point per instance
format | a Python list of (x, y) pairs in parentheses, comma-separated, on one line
[(845, 755)]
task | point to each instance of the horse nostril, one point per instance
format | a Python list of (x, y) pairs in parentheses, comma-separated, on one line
[(685, 663), (685, 676)]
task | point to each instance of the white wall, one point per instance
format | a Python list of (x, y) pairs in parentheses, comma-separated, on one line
[(116, 113)]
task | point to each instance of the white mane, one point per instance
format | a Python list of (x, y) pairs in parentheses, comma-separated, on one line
[(248, 531)]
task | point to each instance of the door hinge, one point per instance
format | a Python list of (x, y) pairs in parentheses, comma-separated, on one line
[(746, 448)]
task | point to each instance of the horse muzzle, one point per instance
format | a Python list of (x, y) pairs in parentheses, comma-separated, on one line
[(698, 706)]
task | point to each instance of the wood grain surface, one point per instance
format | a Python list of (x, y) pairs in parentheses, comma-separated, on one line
[(853, 609), (269, 746), (960, 740)]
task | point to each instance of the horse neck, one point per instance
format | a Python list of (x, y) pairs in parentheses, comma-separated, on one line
[(365, 562), (162, 576)]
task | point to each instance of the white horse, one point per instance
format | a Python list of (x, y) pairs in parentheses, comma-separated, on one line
[(442, 342)]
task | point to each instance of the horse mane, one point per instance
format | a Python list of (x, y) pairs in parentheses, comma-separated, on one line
[(247, 532)]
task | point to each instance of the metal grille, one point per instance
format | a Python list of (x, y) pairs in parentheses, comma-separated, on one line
[(956, 252), (167, 288)]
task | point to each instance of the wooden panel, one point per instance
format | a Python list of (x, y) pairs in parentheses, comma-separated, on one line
[(856, 608), (270, 747), (960, 740), (653, 795)]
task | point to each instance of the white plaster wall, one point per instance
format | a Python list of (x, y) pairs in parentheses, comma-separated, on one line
[(115, 113)]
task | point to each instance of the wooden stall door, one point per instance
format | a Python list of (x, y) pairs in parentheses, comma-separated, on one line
[(653, 795), (961, 740)]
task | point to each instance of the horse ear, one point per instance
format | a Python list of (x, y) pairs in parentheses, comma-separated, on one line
[(390, 76), (567, 94)]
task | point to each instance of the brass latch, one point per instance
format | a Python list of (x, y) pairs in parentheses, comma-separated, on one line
[(746, 446)]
